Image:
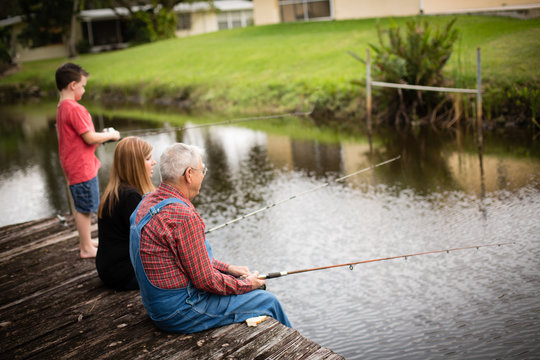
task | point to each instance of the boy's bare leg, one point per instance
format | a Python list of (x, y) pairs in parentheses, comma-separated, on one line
[(88, 248)]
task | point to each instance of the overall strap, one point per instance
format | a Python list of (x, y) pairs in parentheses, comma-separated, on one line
[(160, 205), (152, 211)]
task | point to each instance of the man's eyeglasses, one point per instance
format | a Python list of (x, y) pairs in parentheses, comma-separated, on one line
[(204, 170)]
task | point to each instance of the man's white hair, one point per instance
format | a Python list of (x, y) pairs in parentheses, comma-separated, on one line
[(176, 159)]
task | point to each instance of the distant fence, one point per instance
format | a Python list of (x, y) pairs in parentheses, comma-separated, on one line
[(477, 91)]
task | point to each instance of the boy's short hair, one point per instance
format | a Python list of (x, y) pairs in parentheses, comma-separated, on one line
[(67, 73)]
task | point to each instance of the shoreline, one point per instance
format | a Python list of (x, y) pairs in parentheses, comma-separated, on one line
[(504, 107)]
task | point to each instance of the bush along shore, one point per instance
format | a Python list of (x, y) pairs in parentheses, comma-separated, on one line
[(299, 67), (504, 104)]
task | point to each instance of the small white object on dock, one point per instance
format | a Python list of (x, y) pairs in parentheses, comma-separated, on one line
[(255, 320)]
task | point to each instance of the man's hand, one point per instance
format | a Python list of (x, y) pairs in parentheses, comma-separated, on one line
[(238, 271), (243, 272), (256, 283)]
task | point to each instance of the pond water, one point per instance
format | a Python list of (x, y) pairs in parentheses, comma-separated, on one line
[(470, 304)]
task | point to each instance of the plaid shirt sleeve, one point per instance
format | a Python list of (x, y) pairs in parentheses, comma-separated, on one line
[(195, 261), (220, 265)]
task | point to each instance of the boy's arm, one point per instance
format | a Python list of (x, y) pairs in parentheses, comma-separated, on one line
[(92, 137)]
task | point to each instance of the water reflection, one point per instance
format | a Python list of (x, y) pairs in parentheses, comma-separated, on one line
[(439, 195), (242, 161), (30, 169)]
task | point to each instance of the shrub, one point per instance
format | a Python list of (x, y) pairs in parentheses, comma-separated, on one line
[(417, 58), (83, 47), (149, 26)]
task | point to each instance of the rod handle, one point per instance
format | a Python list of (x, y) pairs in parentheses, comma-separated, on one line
[(272, 275)]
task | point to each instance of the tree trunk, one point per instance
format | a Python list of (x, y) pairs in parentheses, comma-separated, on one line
[(71, 43)]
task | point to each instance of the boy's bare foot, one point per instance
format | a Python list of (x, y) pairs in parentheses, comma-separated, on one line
[(88, 254), (95, 243)]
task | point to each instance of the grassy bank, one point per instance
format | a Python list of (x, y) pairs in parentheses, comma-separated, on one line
[(288, 67)]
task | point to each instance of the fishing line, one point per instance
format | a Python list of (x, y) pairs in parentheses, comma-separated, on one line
[(148, 132), (300, 194), (351, 264)]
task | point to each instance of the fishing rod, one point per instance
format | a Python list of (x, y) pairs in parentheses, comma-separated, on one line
[(146, 132), (351, 264), (300, 194)]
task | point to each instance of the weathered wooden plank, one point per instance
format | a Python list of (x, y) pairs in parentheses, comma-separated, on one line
[(65, 235), (29, 229), (24, 275), (210, 344), (60, 311), (176, 345), (263, 346), (225, 344), (34, 245), (54, 306), (29, 281), (45, 291), (70, 328), (96, 334), (298, 348), (324, 353), (12, 238)]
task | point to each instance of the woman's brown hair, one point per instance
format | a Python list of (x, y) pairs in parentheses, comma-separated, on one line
[(128, 168)]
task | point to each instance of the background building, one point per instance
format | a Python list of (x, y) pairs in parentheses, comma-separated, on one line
[(278, 11), (106, 29)]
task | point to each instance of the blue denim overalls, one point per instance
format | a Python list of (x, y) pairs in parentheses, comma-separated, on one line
[(188, 310)]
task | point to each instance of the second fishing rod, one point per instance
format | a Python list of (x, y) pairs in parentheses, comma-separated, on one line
[(294, 196), (148, 132)]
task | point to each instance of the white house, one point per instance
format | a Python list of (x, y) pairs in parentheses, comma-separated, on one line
[(201, 17), (106, 29), (279, 11)]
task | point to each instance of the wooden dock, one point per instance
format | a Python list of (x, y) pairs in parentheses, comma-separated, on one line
[(54, 306)]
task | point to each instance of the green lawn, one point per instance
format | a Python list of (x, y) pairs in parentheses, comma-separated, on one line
[(285, 66)]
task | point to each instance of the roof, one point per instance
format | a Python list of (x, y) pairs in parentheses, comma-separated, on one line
[(11, 21), (222, 5), (107, 14)]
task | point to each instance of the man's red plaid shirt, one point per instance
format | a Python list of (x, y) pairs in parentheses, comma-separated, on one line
[(173, 252)]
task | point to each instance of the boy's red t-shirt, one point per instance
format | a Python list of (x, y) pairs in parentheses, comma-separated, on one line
[(77, 158)]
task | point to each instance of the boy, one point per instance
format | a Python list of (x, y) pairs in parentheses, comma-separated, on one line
[(77, 142)]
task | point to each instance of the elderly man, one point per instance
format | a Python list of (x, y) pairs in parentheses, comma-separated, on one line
[(183, 288)]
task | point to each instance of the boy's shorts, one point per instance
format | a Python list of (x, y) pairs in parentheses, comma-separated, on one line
[(86, 196)]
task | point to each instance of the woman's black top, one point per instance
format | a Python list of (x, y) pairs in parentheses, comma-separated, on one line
[(112, 261)]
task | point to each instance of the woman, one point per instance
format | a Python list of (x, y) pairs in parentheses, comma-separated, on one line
[(130, 176)]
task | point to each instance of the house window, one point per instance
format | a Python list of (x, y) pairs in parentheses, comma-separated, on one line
[(234, 19), (304, 10), (105, 32), (184, 22), (223, 21)]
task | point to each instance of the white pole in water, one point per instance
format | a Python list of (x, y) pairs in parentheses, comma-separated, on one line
[(368, 90), (479, 98)]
